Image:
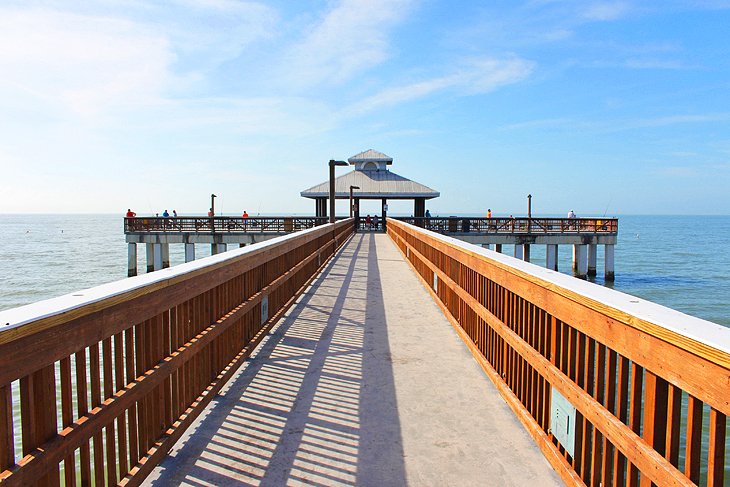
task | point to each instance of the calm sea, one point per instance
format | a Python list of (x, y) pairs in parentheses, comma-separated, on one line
[(682, 262)]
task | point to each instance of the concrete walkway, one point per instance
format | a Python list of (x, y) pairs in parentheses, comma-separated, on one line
[(364, 382)]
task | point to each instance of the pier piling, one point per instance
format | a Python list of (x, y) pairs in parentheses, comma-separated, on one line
[(609, 262), (150, 252), (131, 259), (551, 257), (592, 257), (581, 260), (189, 252)]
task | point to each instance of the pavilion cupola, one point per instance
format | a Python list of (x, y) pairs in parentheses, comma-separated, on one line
[(370, 160)]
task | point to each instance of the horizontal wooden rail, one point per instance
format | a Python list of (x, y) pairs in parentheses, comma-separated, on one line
[(97, 386), (651, 386), (220, 224), (512, 226)]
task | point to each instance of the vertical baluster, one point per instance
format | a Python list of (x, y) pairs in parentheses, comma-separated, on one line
[(693, 447), (610, 403), (140, 369), (82, 405), (95, 386), (674, 414), (131, 374), (622, 395), (7, 436), (599, 396), (38, 414), (655, 415), (111, 457), (168, 322), (716, 451), (67, 416), (120, 384), (637, 381)]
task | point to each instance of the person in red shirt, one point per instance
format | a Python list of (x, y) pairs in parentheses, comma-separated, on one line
[(130, 213), (245, 214)]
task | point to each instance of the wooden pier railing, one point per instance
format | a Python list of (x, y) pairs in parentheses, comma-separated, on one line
[(221, 224), (650, 386), (511, 226), (96, 387)]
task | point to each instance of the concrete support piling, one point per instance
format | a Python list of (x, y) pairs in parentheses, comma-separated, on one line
[(131, 259), (157, 257), (581, 253), (218, 248), (592, 257), (519, 251), (486, 246), (498, 248), (189, 252), (609, 262), (526, 256), (575, 258), (551, 257), (150, 251), (165, 248)]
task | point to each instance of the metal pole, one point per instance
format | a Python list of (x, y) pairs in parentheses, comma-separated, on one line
[(350, 201), (332, 190), (212, 204), (529, 213)]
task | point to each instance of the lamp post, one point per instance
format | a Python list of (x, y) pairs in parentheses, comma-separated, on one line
[(529, 213), (212, 203), (333, 163), (351, 207)]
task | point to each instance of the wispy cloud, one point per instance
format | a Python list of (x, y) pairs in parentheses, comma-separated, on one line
[(481, 76), (606, 11), (349, 39)]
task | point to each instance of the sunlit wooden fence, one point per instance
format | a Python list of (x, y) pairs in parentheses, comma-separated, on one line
[(650, 386), (96, 387)]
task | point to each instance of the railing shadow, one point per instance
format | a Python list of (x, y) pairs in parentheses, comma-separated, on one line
[(317, 402)]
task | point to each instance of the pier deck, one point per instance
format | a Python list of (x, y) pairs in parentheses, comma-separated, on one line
[(365, 382)]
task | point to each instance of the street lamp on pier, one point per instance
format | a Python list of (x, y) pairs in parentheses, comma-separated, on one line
[(333, 163), (351, 207)]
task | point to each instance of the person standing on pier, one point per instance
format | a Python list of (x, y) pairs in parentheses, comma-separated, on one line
[(165, 214), (245, 219), (130, 213)]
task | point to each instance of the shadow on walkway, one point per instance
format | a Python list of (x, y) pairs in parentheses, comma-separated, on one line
[(316, 405)]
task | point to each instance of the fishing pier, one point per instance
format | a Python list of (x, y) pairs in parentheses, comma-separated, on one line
[(583, 234), (332, 357), (347, 352)]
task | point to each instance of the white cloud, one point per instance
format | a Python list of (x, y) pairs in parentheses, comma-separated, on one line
[(480, 76), (349, 39), (606, 11)]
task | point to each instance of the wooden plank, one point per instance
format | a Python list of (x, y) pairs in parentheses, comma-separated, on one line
[(110, 436), (7, 436), (95, 389), (716, 451), (121, 423), (67, 417), (82, 404), (693, 445)]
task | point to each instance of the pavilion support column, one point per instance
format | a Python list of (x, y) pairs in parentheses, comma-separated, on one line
[(189, 252), (519, 251), (131, 259), (581, 255), (609, 262), (165, 249), (157, 259), (419, 210), (385, 211), (498, 248), (592, 255), (551, 257), (320, 207), (356, 212), (150, 251)]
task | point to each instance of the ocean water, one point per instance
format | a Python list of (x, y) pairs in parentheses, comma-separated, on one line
[(682, 262)]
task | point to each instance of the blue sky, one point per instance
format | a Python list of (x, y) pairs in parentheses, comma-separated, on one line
[(613, 106)]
